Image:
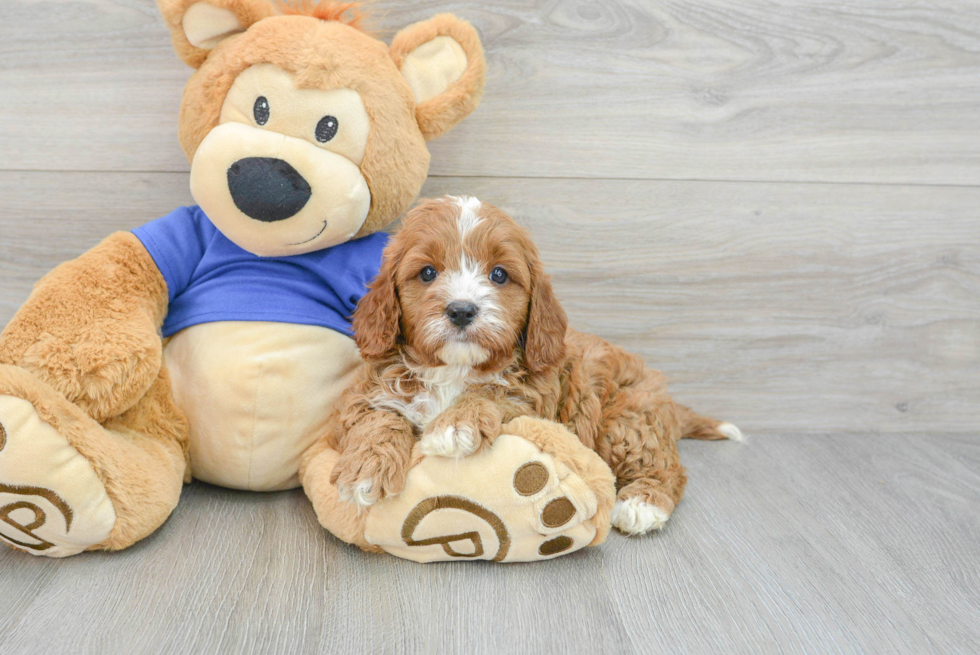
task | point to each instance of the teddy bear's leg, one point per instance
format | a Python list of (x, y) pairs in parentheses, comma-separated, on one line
[(69, 484)]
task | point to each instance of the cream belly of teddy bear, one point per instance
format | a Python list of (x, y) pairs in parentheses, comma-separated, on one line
[(257, 395)]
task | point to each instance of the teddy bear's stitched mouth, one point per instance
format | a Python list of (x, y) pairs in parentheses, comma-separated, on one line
[(312, 237)]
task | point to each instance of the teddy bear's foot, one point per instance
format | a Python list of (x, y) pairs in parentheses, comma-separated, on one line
[(68, 483), (536, 493), (51, 500)]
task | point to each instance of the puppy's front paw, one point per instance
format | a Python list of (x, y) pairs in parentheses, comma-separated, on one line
[(449, 440), (634, 516), (363, 493), (365, 478)]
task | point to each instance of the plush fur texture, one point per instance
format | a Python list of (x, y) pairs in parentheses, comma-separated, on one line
[(90, 327), (440, 114), (326, 54), (349, 13), (85, 348), (140, 456), (424, 375), (248, 12)]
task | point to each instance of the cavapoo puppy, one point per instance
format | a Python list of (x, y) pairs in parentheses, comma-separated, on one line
[(461, 332)]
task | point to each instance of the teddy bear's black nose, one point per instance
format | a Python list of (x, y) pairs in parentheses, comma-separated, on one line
[(267, 189)]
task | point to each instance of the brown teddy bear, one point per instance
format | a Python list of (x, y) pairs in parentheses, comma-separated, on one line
[(537, 493), (213, 342)]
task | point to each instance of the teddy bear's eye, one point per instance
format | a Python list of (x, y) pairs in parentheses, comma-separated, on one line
[(261, 110), (326, 129), (428, 274)]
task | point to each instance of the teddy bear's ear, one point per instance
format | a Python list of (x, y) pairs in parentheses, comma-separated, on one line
[(197, 26), (442, 61)]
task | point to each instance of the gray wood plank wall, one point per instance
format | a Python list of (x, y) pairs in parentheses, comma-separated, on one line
[(775, 203)]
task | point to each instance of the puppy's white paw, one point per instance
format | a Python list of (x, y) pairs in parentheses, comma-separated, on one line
[(730, 431), (452, 441), (363, 494), (633, 516)]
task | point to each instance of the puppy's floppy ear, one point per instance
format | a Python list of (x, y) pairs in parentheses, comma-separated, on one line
[(377, 319), (442, 61), (544, 338), (197, 26)]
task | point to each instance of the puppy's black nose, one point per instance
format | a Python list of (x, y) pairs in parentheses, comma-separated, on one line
[(267, 189), (461, 313)]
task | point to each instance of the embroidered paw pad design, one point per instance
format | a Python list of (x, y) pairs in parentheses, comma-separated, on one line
[(509, 503), (51, 501), (533, 478), (21, 515)]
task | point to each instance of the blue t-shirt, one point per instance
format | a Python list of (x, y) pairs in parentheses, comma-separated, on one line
[(210, 279)]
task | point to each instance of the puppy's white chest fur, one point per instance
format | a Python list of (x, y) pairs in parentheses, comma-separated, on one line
[(442, 385)]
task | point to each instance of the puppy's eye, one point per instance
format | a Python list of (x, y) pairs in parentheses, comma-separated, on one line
[(261, 110), (428, 274), (326, 129), (498, 275)]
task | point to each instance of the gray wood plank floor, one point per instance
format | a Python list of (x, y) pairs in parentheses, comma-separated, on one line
[(823, 544), (774, 202)]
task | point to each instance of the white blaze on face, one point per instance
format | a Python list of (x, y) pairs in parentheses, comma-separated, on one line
[(468, 281), (468, 216)]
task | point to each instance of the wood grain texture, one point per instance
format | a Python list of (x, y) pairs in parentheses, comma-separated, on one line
[(808, 307), (880, 91), (664, 154), (782, 545)]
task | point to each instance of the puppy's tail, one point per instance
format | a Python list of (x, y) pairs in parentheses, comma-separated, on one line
[(695, 426)]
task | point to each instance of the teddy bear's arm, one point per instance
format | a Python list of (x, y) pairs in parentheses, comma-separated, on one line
[(90, 328)]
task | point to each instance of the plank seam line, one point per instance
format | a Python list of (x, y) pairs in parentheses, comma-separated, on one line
[(952, 185)]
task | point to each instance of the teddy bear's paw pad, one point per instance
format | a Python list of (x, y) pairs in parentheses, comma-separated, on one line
[(508, 503), (561, 499), (635, 517), (52, 502)]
